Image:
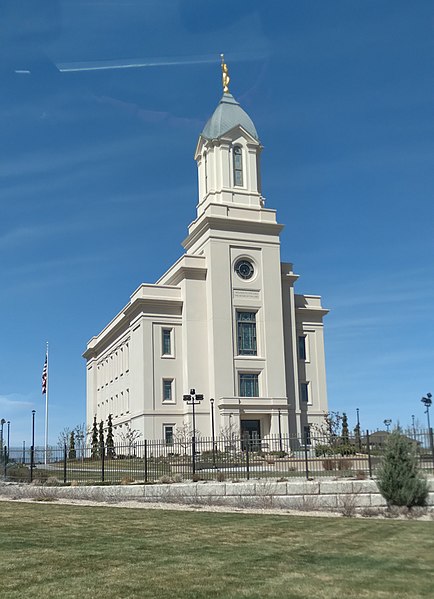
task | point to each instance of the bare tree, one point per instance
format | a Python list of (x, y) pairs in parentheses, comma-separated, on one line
[(129, 436), (230, 435), (80, 438), (64, 437), (183, 436)]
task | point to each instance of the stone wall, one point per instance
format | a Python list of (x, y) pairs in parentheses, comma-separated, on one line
[(303, 495)]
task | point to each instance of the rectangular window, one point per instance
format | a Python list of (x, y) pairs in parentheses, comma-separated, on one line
[(167, 390), (306, 430), (238, 166), (249, 385), (168, 434), (302, 347), (246, 332), (304, 392), (167, 342)]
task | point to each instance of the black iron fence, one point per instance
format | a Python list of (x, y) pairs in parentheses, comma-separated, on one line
[(223, 458)]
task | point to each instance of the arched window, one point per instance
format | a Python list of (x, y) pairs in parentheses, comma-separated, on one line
[(238, 166)]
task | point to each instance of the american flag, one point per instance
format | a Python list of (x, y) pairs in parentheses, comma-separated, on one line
[(44, 376)]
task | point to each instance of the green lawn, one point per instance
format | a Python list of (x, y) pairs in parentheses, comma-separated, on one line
[(51, 551)]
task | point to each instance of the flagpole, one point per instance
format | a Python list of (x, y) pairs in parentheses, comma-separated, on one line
[(46, 412)]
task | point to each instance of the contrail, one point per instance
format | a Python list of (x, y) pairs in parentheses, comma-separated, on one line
[(139, 63)]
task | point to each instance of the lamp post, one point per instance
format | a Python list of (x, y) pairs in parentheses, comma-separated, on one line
[(280, 433), (211, 399), (193, 399), (359, 436), (2, 422), (32, 449), (387, 423), (9, 435), (413, 427), (427, 401)]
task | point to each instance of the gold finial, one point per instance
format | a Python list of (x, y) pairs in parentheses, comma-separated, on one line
[(225, 75)]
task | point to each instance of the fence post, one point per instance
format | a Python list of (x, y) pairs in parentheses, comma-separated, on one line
[(193, 453), (368, 448), (32, 461), (247, 443), (64, 463), (431, 442), (145, 457), (306, 457), (102, 461)]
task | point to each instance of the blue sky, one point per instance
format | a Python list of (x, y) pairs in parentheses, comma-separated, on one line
[(97, 171)]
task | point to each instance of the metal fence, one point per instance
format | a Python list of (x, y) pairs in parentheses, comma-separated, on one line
[(222, 458)]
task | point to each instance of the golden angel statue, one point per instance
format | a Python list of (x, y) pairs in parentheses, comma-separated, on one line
[(225, 75)]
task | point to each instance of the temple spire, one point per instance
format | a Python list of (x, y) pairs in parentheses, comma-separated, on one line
[(225, 75)]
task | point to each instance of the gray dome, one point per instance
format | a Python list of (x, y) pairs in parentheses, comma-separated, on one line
[(228, 115)]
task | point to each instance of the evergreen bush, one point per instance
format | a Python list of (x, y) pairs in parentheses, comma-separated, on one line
[(399, 479)]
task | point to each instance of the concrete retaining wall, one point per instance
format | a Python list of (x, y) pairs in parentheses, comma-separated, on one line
[(310, 495)]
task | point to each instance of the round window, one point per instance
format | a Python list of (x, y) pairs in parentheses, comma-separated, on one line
[(244, 269)]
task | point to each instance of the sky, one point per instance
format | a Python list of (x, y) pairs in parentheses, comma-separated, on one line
[(101, 106)]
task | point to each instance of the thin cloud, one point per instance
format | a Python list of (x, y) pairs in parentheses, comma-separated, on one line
[(143, 63), (15, 401)]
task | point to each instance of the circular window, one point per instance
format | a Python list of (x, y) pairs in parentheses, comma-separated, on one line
[(244, 269)]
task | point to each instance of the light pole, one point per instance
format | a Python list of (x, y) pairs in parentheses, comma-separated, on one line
[(32, 449), (9, 435), (211, 399), (2, 422), (387, 423), (412, 426), (427, 401), (193, 399), (359, 436), (280, 434)]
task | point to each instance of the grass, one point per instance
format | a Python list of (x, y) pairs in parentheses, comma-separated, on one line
[(50, 551)]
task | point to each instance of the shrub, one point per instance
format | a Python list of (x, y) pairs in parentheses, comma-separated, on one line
[(279, 454), (323, 450), (18, 473), (328, 464), (399, 479), (344, 464), (220, 477)]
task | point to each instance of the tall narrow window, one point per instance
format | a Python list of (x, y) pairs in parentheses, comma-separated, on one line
[(304, 392), (249, 385), (168, 434), (167, 342), (205, 159), (246, 332), (238, 166), (167, 390), (302, 347)]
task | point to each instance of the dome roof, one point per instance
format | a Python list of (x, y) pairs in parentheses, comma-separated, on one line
[(228, 115)]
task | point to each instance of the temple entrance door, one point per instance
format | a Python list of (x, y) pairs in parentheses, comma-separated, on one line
[(251, 432)]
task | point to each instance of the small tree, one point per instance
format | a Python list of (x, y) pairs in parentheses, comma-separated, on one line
[(72, 453), (80, 439), (101, 438), (183, 435), (345, 432), (64, 437), (346, 448), (357, 437), (130, 436), (94, 442), (109, 439), (399, 479)]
